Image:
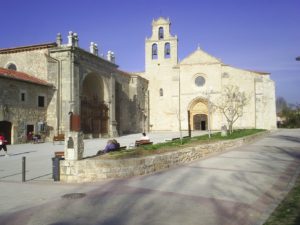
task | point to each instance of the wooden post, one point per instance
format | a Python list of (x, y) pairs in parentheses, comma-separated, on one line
[(189, 123)]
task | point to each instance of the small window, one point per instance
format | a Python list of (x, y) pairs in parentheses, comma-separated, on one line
[(23, 96), (161, 92), (12, 66), (41, 127), (161, 33), (154, 51), (41, 101), (167, 50)]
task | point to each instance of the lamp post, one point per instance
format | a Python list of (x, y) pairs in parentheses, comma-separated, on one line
[(208, 93), (179, 102), (179, 105)]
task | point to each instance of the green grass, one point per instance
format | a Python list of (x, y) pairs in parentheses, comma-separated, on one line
[(288, 211), (177, 144)]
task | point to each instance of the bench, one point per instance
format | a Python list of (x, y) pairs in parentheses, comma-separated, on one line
[(120, 148), (59, 137), (142, 142), (177, 138), (59, 154)]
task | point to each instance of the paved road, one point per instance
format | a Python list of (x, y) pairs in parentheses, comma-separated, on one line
[(241, 186)]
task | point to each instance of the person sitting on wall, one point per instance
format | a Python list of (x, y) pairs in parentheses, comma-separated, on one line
[(110, 146), (116, 143), (144, 137)]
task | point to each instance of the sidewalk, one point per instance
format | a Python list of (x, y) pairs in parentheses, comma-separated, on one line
[(241, 186), (39, 186), (39, 156)]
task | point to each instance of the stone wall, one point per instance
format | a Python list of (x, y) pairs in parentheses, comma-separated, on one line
[(93, 169), (31, 62), (21, 113)]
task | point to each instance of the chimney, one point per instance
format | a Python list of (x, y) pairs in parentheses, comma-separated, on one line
[(94, 48), (58, 39), (111, 56), (70, 38), (75, 39)]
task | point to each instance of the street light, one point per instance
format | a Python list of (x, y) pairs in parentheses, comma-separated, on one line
[(179, 105), (179, 101), (208, 93), (298, 58)]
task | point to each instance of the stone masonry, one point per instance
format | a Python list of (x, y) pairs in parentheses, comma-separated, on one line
[(94, 169)]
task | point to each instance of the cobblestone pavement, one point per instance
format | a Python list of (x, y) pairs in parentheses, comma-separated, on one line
[(241, 186)]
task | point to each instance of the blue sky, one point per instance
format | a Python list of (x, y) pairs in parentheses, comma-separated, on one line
[(262, 35)]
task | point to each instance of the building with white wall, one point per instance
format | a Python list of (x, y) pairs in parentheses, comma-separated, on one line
[(195, 83)]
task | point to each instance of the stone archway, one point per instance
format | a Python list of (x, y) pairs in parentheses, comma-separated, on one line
[(198, 114), (5, 129), (94, 110)]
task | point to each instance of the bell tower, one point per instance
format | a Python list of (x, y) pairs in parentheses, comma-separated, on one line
[(161, 47)]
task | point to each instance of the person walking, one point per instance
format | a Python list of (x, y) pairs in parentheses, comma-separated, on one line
[(3, 143)]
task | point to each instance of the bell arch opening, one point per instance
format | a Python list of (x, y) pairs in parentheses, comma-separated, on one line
[(198, 114), (94, 109)]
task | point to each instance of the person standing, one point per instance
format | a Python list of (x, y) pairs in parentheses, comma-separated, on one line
[(3, 143)]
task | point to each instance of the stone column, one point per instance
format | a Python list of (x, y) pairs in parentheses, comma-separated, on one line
[(112, 114), (74, 146)]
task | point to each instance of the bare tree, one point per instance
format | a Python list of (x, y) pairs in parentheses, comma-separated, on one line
[(231, 104)]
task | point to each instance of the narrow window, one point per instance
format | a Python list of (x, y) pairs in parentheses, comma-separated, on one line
[(23, 97), (161, 33), (167, 50), (154, 51), (161, 92), (41, 101), (41, 127)]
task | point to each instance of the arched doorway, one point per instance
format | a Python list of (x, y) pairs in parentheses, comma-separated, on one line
[(5, 129), (198, 114), (200, 122), (94, 110)]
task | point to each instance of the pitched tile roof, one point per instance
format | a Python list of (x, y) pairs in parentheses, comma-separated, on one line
[(27, 48), (12, 74)]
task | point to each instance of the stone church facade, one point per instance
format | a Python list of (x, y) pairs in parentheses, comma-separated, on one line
[(43, 86), (195, 83)]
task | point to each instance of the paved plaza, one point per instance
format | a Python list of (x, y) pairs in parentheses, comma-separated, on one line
[(240, 186), (39, 156)]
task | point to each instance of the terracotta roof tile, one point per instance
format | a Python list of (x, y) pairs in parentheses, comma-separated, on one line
[(27, 48), (12, 74)]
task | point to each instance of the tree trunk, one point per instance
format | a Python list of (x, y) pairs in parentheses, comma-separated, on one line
[(230, 126)]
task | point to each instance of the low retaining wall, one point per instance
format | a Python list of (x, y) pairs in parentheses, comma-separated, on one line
[(93, 169)]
